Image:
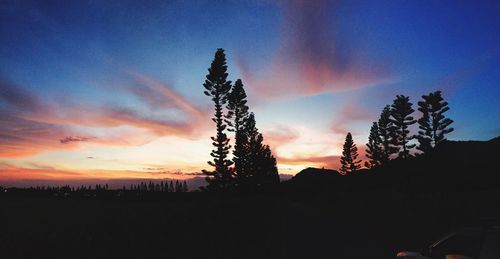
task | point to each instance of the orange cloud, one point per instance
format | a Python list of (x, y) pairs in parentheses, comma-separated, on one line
[(14, 173), (331, 162)]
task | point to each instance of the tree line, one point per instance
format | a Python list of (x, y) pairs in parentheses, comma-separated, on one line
[(142, 187), (163, 186), (253, 164), (390, 136)]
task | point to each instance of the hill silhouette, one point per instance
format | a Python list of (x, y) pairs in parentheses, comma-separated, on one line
[(452, 165)]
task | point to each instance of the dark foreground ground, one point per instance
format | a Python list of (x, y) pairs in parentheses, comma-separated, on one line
[(194, 225)]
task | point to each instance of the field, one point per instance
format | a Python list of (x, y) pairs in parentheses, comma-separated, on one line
[(197, 225)]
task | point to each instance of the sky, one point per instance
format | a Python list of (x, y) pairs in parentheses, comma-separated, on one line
[(112, 90)]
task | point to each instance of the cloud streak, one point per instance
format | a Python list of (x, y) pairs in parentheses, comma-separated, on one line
[(152, 88), (351, 112), (70, 139), (33, 125), (280, 135), (312, 57), (10, 172)]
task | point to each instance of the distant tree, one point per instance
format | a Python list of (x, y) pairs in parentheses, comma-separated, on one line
[(217, 87), (171, 187), (374, 151), (348, 161), (433, 124), (401, 119), (236, 119), (178, 186), (260, 163), (185, 187)]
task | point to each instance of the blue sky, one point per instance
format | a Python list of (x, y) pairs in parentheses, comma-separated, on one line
[(126, 76)]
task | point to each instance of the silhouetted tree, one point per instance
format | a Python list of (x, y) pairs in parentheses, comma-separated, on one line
[(433, 124), (217, 87), (348, 161), (384, 131), (184, 187), (260, 163), (236, 118), (171, 187), (176, 186), (400, 117), (374, 150)]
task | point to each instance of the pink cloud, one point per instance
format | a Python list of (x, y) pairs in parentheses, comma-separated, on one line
[(280, 135), (33, 125), (349, 113), (21, 137), (152, 88), (312, 58)]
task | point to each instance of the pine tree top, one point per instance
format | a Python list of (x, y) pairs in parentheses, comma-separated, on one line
[(216, 83)]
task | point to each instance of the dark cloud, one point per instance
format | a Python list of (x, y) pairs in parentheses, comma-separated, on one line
[(69, 139)]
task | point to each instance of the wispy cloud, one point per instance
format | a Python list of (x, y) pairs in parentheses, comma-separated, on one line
[(19, 99), (152, 88), (350, 113), (21, 137), (10, 172), (312, 57), (33, 125), (280, 135), (70, 139)]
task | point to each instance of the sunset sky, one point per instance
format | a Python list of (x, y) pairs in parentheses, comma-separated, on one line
[(113, 89)]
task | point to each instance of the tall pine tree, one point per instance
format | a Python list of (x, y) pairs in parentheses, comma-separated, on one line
[(374, 150), (348, 161), (217, 87), (433, 124), (385, 129), (236, 118), (260, 163), (401, 119)]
